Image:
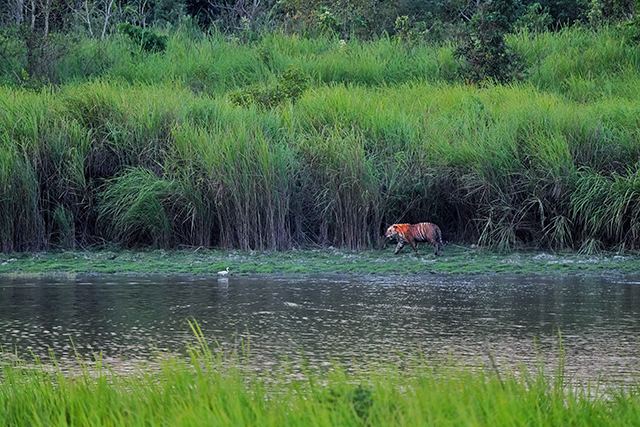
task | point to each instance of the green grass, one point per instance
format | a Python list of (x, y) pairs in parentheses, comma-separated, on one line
[(212, 388), (581, 64), (454, 260)]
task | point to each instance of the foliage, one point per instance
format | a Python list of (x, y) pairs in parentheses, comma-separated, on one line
[(410, 33), (600, 12), (362, 18), (327, 21), (483, 50), (147, 40), (608, 206), (536, 19), (565, 13), (139, 208), (30, 60), (168, 12), (289, 88), (630, 28)]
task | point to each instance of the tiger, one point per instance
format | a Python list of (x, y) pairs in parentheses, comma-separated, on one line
[(412, 233)]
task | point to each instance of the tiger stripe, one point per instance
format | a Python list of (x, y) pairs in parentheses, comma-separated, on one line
[(413, 233)]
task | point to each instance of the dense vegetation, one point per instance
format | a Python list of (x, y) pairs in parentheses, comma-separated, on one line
[(186, 133)]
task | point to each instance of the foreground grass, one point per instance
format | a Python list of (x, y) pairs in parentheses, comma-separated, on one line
[(208, 388), (454, 260)]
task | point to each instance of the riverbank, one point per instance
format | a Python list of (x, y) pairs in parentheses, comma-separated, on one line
[(455, 259)]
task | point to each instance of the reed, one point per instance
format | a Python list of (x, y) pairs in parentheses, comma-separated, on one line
[(608, 206), (66, 203), (343, 186), (24, 120), (246, 170), (253, 174), (140, 208)]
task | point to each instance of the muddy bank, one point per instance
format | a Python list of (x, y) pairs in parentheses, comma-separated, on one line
[(453, 260)]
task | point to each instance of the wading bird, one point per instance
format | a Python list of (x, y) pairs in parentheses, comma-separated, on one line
[(224, 272)]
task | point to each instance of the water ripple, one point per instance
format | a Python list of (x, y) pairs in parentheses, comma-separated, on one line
[(333, 318)]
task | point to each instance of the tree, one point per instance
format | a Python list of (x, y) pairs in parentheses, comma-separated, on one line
[(483, 52)]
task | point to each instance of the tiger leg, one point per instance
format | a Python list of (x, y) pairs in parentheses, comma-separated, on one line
[(434, 243), (438, 240), (399, 246)]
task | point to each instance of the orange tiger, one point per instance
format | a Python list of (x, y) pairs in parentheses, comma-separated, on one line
[(412, 233)]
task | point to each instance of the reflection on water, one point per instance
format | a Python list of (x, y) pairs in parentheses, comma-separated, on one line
[(330, 318)]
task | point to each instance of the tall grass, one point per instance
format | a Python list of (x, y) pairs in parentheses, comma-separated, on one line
[(344, 187), (23, 120), (155, 155), (162, 166), (578, 63), (214, 388), (138, 206), (581, 64), (608, 206), (253, 174)]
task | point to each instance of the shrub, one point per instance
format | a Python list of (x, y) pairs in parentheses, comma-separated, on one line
[(138, 207), (147, 40), (290, 87), (483, 51)]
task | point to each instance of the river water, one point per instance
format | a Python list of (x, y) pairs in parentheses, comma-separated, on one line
[(502, 320)]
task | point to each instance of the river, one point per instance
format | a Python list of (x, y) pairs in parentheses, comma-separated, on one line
[(490, 319)]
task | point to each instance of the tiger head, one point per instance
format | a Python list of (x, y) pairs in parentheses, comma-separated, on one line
[(396, 230)]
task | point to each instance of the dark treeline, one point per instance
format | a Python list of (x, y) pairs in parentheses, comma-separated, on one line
[(364, 18)]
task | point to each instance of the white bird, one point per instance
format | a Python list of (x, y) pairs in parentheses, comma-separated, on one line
[(224, 272)]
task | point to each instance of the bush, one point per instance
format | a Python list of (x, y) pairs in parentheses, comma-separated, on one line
[(290, 87), (483, 52), (147, 40)]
